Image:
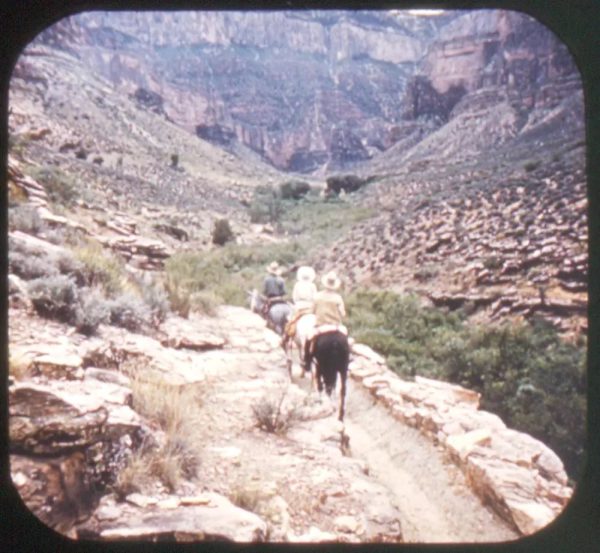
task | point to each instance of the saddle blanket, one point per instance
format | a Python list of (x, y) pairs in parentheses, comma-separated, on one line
[(323, 329)]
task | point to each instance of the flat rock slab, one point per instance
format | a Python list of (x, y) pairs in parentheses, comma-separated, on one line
[(210, 516)]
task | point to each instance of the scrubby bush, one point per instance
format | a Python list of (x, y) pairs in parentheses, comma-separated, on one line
[(92, 311), (222, 232), (526, 374), (187, 274), (205, 301), (347, 183), (271, 416), (54, 297), (29, 266), (532, 165), (60, 187), (155, 297), (293, 190), (176, 410), (18, 366), (129, 312), (26, 219), (493, 262), (101, 269), (266, 206)]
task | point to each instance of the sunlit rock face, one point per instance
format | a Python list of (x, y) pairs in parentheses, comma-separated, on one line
[(318, 91)]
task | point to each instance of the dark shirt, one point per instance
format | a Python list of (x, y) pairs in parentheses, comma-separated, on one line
[(273, 286)]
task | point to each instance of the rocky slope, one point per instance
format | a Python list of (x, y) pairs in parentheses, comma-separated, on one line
[(499, 237), (73, 431), (471, 122)]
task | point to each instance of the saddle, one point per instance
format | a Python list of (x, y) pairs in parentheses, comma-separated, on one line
[(290, 327), (270, 302)]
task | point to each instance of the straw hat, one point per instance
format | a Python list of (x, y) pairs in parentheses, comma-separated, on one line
[(274, 269), (306, 274), (330, 281)]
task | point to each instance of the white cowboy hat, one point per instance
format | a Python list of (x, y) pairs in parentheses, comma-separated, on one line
[(330, 281), (274, 269), (306, 274)]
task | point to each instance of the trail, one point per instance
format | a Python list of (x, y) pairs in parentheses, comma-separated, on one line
[(392, 477), (435, 500)]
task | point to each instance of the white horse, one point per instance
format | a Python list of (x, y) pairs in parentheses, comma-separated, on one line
[(304, 329)]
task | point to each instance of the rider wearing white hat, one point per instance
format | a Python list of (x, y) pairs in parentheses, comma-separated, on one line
[(304, 289)]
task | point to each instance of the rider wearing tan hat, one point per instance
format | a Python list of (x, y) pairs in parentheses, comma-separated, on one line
[(329, 310), (328, 305), (273, 286)]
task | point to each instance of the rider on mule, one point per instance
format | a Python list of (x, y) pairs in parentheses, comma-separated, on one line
[(303, 296), (329, 309), (273, 287)]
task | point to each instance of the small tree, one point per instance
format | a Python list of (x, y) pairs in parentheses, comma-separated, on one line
[(222, 232)]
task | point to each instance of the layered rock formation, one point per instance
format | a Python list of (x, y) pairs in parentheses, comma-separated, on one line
[(231, 78)]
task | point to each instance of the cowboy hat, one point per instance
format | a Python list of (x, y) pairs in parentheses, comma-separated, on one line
[(274, 269), (330, 281), (306, 274)]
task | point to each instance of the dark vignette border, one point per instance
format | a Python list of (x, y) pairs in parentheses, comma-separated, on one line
[(575, 22)]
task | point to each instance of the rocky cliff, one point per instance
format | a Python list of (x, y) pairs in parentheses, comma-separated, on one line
[(319, 91)]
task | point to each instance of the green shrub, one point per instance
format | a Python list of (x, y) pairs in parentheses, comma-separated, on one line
[(532, 165), (266, 205), (493, 262), (293, 190), (54, 297), (60, 187), (525, 372), (29, 266), (189, 273), (155, 297), (101, 269), (222, 232)]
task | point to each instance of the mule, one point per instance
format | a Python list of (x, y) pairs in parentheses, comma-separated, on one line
[(278, 314), (304, 328), (331, 353)]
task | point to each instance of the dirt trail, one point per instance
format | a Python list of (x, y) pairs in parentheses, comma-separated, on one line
[(436, 503), (300, 481)]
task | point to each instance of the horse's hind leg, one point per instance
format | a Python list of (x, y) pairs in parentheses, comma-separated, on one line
[(343, 376)]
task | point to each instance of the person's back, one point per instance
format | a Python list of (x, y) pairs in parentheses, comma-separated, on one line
[(274, 286), (328, 308), (305, 290), (328, 305), (329, 311)]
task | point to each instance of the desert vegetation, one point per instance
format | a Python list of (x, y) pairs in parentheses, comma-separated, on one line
[(529, 376), (274, 414), (175, 410)]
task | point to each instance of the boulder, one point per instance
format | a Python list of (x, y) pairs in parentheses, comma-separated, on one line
[(47, 420)]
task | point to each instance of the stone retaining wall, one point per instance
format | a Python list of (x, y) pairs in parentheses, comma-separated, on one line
[(522, 479)]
